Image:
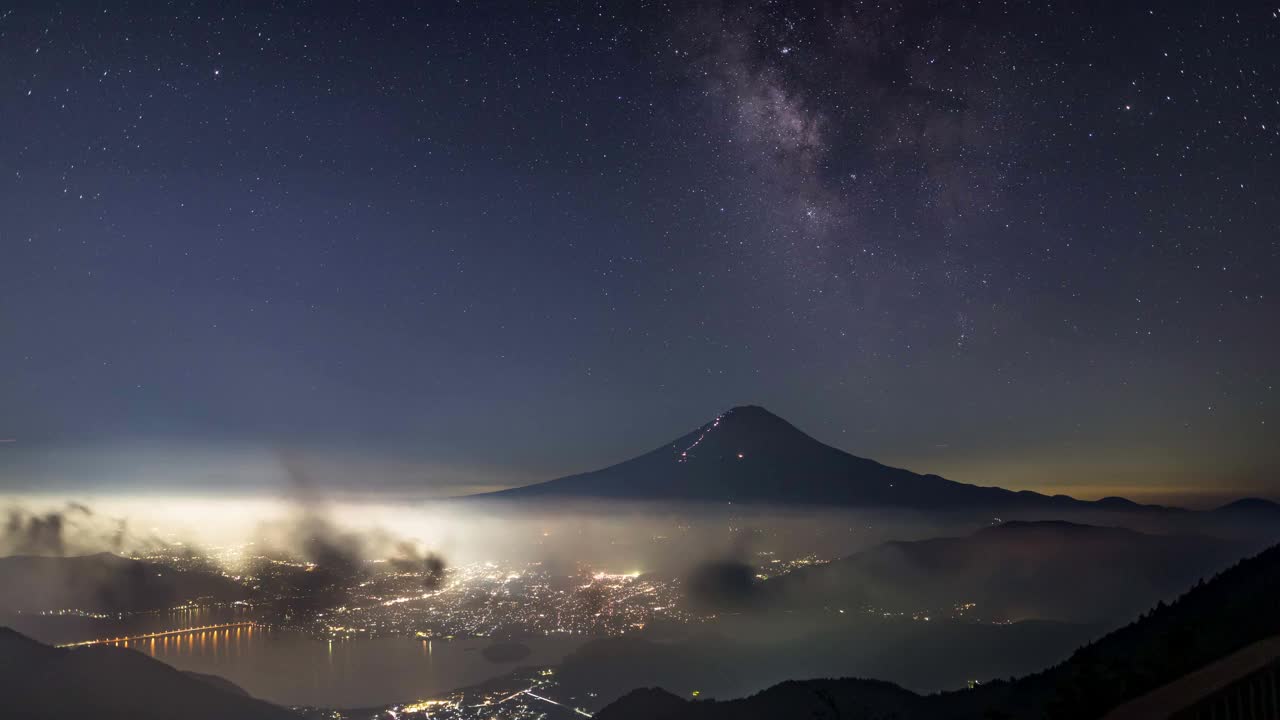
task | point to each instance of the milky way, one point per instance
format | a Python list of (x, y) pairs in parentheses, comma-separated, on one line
[(462, 247)]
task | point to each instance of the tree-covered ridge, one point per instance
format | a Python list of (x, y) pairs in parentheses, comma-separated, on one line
[(1238, 607)]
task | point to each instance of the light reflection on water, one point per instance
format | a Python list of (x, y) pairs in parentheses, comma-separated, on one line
[(291, 668), (218, 644), (60, 629)]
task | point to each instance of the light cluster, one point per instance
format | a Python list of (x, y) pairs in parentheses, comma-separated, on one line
[(504, 599), (525, 695)]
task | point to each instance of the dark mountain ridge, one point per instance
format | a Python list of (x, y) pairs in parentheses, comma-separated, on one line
[(1256, 507), (1237, 608), (1015, 571)]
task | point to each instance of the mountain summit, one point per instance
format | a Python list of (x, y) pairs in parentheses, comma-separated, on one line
[(749, 455)]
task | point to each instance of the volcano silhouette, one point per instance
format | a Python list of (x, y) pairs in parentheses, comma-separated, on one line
[(749, 455)]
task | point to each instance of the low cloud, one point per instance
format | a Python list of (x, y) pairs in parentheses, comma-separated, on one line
[(73, 529), (337, 557), (723, 586)]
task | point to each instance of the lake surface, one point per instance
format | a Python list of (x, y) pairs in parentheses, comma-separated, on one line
[(291, 668)]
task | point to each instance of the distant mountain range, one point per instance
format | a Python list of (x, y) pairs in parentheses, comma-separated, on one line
[(749, 455), (1236, 609), (39, 682), (1014, 571), (103, 583)]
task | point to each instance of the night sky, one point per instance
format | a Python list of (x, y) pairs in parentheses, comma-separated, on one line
[(463, 246)]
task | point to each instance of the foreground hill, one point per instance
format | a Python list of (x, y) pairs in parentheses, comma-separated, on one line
[(750, 455), (1239, 607), (103, 583), (107, 683), (1014, 571)]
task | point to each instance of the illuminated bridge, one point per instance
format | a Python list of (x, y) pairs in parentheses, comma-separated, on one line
[(161, 633)]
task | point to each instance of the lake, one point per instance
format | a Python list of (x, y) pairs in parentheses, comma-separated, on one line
[(290, 668)]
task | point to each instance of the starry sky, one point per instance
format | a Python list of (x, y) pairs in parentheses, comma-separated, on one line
[(451, 246)]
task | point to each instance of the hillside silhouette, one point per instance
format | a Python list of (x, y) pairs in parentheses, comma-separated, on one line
[(1015, 571), (1213, 619)]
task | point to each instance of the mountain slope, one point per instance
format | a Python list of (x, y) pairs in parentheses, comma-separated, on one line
[(1015, 571), (1237, 608), (38, 681), (749, 455)]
